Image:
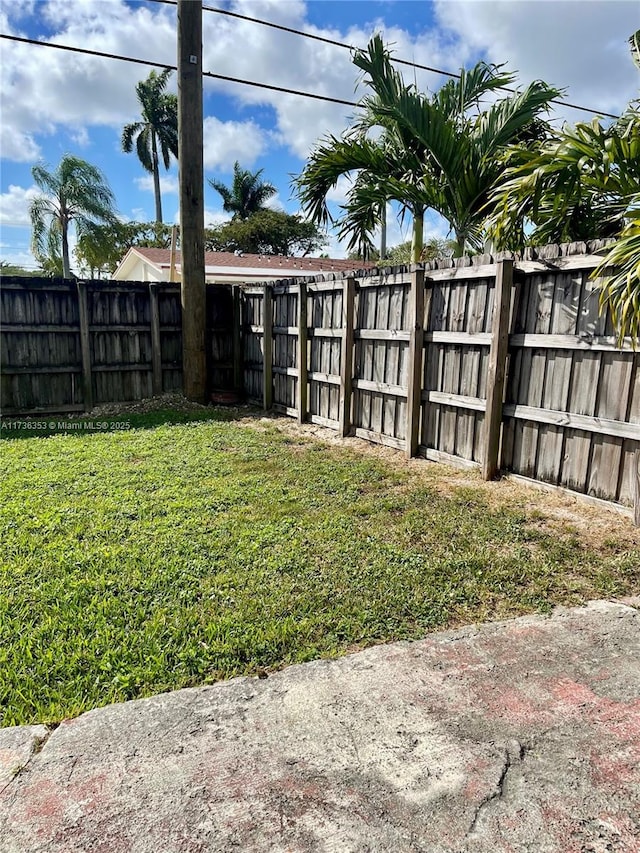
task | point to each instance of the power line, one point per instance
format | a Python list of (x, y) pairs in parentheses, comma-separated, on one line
[(105, 55), (352, 47), (228, 79)]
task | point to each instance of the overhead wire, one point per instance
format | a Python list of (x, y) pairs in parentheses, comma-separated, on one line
[(153, 64), (272, 87), (352, 47)]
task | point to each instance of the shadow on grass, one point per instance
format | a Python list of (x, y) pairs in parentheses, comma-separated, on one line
[(15, 428)]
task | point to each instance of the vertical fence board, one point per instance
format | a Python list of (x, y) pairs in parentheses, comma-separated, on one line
[(303, 379), (155, 339), (415, 369), (267, 347), (85, 347), (346, 357), (497, 363)]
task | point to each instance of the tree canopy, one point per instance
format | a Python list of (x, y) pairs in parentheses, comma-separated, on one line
[(101, 249), (247, 194), (157, 133), (584, 183), (75, 192), (438, 152), (267, 232)]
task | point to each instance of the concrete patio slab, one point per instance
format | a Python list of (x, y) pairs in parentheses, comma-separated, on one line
[(514, 736)]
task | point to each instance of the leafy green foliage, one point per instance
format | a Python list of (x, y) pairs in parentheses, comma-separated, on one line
[(438, 152), (194, 548), (75, 192), (156, 135), (268, 232), (574, 187), (7, 268), (621, 290), (101, 249), (247, 195), (581, 185)]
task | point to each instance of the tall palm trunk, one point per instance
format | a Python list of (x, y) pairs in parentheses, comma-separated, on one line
[(66, 266), (156, 176), (458, 251), (383, 231), (417, 239)]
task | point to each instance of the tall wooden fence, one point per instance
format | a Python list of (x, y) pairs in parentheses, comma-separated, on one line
[(504, 364), (500, 364), (68, 346)]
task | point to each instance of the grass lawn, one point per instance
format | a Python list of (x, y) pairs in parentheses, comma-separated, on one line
[(192, 548)]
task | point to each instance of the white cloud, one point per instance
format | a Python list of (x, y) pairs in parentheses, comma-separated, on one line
[(42, 88), (18, 146), (215, 217), (275, 203), (285, 60), (80, 137), (228, 141), (582, 47), (338, 194), (168, 183), (14, 206)]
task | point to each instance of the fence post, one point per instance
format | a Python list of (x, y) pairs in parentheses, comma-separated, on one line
[(635, 478), (415, 372), (267, 348), (236, 294), (497, 366), (346, 357), (85, 346), (156, 352), (303, 378)]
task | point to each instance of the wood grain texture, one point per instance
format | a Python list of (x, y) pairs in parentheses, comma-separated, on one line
[(496, 369)]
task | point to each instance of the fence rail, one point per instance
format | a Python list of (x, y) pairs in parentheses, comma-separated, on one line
[(504, 364), (67, 346)]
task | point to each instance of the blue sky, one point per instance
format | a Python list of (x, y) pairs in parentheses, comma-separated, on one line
[(55, 103)]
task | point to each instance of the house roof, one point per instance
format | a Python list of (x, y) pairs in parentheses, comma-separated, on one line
[(221, 260)]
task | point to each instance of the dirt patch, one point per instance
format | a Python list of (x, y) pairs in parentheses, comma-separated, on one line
[(176, 402)]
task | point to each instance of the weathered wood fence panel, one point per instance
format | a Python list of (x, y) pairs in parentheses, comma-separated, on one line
[(222, 346), (285, 350), (381, 356), (503, 364), (528, 381), (67, 346), (324, 316), (253, 343), (40, 347)]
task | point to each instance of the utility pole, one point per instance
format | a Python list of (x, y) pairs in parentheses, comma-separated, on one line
[(190, 162)]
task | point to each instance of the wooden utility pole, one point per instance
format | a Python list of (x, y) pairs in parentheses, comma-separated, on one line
[(190, 160)]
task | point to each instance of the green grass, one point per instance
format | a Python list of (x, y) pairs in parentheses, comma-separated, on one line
[(186, 550)]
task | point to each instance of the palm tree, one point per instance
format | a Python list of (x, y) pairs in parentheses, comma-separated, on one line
[(575, 186), (157, 133), (247, 194), (436, 152), (74, 192), (579, 186)]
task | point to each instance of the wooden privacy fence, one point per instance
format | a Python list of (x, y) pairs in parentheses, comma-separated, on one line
[(68, 346), (503, 365)]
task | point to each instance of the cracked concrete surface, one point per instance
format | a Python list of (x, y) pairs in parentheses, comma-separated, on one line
[(514, 736)]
